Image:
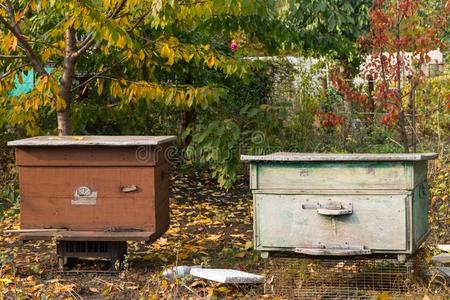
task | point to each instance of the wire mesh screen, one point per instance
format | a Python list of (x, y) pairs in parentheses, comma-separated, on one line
[(296, 278)]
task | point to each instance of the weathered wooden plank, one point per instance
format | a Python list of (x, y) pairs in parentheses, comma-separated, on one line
[(332, 192), (333, 176), (16, 231), (97, 140), (89, 236), (420, 212), (292, 156), (89, 156), (290, 221), (253, 176)]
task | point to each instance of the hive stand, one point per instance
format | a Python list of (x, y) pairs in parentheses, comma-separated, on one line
[(68, 251), (401, 258)]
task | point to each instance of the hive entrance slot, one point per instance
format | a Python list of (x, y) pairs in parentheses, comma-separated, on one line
[(68, 251)]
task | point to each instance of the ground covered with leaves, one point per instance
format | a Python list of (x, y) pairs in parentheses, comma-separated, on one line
[(210, 227)]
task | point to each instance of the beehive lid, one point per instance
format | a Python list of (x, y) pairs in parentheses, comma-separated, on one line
[(293, 156), (93, 140)]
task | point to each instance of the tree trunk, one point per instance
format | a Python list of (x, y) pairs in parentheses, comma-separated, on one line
[(401, 114), (65, 87), (371, 102), (187, 118), (402, 130)]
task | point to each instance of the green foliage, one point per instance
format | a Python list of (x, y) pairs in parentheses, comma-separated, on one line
[(9, 190), (216, 144), (433, 110), (140, 65), (242, 122)]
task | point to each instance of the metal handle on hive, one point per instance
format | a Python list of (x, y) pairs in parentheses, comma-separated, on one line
[(129, 188), (335, 210)]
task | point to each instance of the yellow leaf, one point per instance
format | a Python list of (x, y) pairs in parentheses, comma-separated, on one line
[(37, 287), (99, 86), (165, 51), (240, 254), (60, 103), (141, 55), (121, 41), (213, 237), (248, 245), (183, 255), (163, 241), (14, 44), (77, 138), (187, 57), (383, 296), (171, 59), (211, 61)]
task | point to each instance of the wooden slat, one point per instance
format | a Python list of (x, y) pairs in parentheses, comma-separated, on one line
[(89, 156), (334, 175), (292, 156), (70, 235), (331, 192), (16, 231)]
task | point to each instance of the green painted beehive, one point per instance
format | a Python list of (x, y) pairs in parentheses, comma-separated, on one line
[(339, 204)]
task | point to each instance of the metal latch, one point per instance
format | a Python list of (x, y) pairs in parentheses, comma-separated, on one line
[(84, 196)]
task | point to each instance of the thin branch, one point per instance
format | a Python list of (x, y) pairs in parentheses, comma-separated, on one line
[(139, 21), (15, 30), (12, 71), (13, 56), (86, 45), (116, 11), (90, 40), (97, 75), (86, 39)]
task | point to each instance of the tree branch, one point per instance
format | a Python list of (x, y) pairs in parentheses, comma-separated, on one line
[(86, 44), (15, 30), (137, 22), (117, 10), (90, 40), (12, 56), (12, 71)]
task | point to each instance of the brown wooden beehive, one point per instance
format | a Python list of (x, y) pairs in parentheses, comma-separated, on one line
[(101, 188)]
